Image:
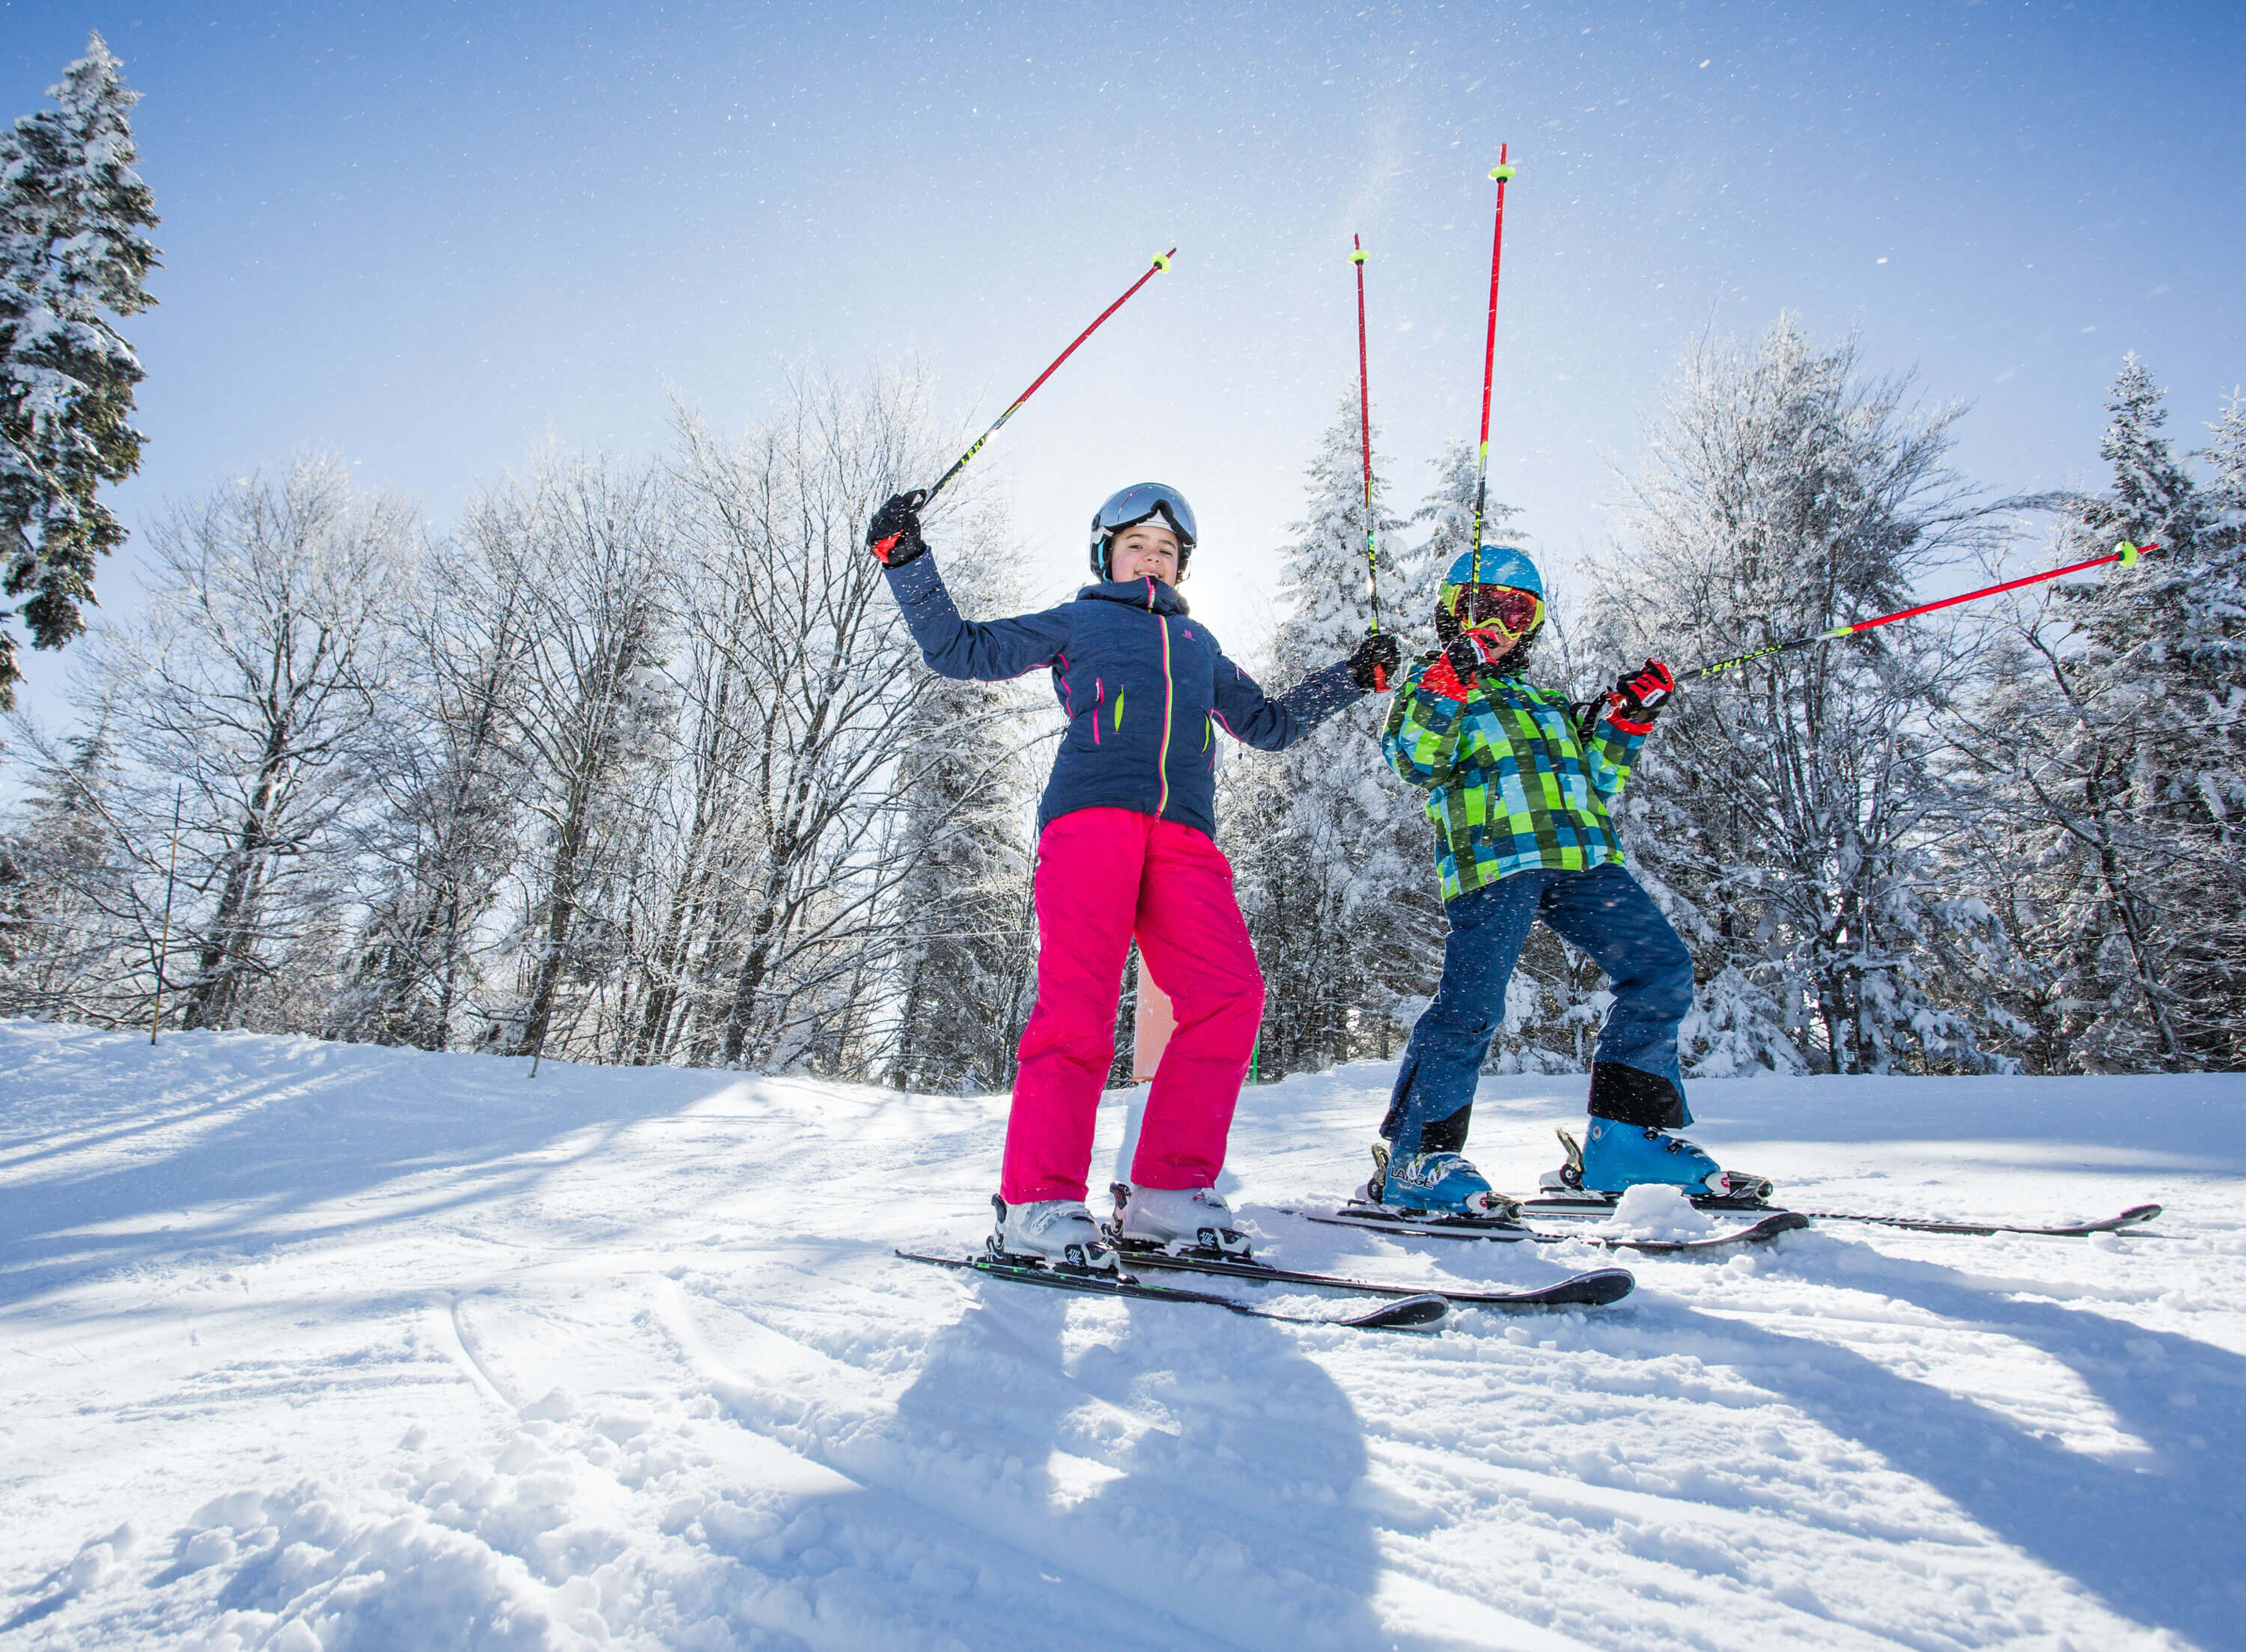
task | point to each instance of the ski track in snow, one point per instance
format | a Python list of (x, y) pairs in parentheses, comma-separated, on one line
[(310, 1346)]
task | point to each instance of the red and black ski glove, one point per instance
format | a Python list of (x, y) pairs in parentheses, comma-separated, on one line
[(1372, 663), (894, 536), (1472, 653), (1465, 656), (1638, 696)]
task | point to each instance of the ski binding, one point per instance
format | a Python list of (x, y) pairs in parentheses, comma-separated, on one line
[(1417, 1312)]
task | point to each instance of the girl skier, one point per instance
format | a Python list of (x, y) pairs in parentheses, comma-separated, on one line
[(1123, 847), (1518, 785)]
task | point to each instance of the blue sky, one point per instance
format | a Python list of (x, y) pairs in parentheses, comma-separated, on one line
[(433, 236)]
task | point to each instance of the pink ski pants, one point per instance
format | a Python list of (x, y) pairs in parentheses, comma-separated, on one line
[(1102, 875)]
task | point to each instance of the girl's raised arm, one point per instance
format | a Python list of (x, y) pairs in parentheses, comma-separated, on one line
[(1253, 718), (984, 650)]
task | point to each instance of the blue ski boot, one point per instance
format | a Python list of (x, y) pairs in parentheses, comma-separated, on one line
[(1618, 1157), (1444, 1183)]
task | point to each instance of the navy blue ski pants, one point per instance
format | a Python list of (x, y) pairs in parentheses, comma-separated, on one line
[(1603, 913)]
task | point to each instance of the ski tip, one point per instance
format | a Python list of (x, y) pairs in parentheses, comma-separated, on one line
[(1409, 1314), (1603, 1285), (1779, 1221), (2136, 1213)]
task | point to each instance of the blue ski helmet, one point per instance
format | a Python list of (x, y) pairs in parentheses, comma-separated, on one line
[(1496, 565), (1491, 565), (1137, 504)]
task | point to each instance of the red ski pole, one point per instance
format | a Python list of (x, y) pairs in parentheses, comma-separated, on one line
[(1364, 425), (2124, 554), (1501, 173), (920, 497)]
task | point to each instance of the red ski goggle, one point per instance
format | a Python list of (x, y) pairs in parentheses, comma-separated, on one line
[(1507, 607)]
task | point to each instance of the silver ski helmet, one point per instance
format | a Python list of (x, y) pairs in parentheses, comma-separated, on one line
[(1504, 565), (1136, 503)]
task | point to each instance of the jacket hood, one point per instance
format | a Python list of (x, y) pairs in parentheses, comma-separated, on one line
[(1149, 593)]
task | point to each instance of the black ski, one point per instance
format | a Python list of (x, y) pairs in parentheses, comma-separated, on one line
[(1777, 1222), (1424, 1311), (1593, 1289), (2132, 1217), (1599, 1206)]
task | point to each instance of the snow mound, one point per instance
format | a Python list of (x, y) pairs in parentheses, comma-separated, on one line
[(1652, 1211)]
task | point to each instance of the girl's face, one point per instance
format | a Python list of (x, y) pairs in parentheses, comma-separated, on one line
[(1144, 550)]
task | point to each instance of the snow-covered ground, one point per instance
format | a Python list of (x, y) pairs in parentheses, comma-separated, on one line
[(311, 1346)]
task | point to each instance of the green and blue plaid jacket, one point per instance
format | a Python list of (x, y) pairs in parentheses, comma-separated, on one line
[(1513, 783)]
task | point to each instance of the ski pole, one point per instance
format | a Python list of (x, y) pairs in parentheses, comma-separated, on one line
[(1364, 425), (2124, 554), (164, 944), (920, 497), (1501, 172)]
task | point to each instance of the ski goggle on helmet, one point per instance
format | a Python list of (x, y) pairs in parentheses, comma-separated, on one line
[(1142, 502), (1507, 607), (1495, 586)]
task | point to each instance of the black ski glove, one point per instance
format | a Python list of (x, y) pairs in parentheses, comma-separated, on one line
[(1638, 696), (1372, 663), (893, 537)]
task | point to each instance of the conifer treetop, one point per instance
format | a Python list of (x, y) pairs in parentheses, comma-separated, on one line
[(73, 252)]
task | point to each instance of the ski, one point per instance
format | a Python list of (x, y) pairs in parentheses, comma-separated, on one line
[(1599, 1206), (1598, 1209), (1593, 1289), (1420, 1312), (2135, 1216), (1777, 1222)]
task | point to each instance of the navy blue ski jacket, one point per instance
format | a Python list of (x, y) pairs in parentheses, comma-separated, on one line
[(1145, 685)]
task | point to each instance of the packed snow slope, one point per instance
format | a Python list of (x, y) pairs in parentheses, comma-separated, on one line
[(316, 1346)]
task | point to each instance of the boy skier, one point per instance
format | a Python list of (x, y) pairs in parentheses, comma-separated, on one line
[(1124, 846), (1518, 786)]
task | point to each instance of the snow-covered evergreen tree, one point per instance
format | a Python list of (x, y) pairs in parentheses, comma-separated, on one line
[(2152, 500), (72, 212), (2222, 497), (1328, 841), (67, 938), (2115, 731), (1791, 811)]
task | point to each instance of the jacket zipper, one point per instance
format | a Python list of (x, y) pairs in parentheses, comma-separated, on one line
[(1169, 695)]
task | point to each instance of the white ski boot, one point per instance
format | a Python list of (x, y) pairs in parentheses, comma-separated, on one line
[(1185, 1220), (1057, 1232)]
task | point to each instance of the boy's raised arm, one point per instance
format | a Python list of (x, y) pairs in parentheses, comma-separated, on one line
[(1420, 738), (1616, 723)]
